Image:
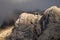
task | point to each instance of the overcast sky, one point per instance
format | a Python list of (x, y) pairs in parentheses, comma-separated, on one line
[(27, 4)]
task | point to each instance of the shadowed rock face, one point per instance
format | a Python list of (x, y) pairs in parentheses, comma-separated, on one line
[(24, 31), (28, 26), (53, 28), (51, 33)]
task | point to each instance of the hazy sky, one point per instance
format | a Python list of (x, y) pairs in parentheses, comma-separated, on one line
[(27, 4)]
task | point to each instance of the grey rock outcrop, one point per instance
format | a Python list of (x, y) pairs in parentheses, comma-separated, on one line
[(53, 28), (26, 29)]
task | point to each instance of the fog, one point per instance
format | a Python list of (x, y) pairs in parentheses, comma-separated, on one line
[(7, 7)]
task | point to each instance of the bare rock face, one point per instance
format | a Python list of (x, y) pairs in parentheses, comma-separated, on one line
[(27, 27), (53, 28), (53, 14)]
